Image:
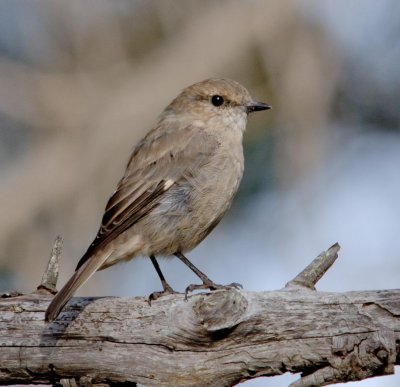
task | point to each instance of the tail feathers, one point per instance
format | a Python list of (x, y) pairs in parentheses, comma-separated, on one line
[(74, 283)]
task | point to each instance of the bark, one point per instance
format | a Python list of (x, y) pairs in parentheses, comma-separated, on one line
[(213, 339)]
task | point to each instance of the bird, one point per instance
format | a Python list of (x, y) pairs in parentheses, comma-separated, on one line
[(178, 184)]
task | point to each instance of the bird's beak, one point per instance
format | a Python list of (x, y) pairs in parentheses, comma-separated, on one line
[(255, 106)]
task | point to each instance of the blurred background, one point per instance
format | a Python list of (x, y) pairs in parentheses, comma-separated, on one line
[(82, 82)]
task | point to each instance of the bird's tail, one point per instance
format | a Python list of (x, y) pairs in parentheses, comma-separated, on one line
[(74, 283)]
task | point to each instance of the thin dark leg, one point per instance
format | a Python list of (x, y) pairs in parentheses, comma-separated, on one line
[(207, 283), (167, 288), (192, 267), (164, 283)]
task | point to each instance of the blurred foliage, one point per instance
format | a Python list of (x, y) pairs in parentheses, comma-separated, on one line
[(81, 82)]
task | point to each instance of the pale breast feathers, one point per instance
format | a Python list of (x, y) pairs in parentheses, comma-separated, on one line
[(162, 160)]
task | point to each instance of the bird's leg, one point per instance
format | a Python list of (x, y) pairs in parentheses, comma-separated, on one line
[(207, 283), (167, 288)]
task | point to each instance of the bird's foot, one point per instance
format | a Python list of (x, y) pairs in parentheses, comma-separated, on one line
[(156, 295), (211, 286)]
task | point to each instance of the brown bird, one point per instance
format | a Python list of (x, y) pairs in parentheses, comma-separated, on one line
[(178, 184)]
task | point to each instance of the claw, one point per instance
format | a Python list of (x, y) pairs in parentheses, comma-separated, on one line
[(156, 295)]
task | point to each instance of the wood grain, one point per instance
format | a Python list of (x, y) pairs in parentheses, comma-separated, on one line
[(215, 339)]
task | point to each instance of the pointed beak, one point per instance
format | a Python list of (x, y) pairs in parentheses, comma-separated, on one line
[(255, 106)]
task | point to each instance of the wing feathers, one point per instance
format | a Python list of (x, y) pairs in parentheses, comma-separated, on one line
[(168, 155), (158, 162), (125, 219)]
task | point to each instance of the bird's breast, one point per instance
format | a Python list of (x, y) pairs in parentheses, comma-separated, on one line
[(214, 186), (192, 207)]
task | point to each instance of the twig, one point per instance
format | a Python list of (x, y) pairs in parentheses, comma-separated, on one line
[(50, 276), (316, 269)]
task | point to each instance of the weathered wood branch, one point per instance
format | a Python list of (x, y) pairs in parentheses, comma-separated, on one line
[(215, 339), (316, 269), (50, 276)]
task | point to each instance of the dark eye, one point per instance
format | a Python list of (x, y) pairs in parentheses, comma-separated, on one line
[(217, 100)]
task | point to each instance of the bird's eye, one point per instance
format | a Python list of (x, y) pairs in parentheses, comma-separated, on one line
[(217, 100)]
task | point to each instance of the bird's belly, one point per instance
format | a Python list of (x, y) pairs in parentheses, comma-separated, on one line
[(189, 211)]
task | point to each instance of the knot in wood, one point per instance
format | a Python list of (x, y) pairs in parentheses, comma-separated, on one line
[(220, 310)]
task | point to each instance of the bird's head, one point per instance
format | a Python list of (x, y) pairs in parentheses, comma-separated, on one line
[(221, 102)]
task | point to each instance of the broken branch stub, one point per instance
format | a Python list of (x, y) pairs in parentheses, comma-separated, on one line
[(315, 270), (50, 276)]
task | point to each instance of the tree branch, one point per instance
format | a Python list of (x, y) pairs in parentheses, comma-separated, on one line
[(213, 339)]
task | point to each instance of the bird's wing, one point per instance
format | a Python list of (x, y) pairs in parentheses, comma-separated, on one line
[(161, 160)]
